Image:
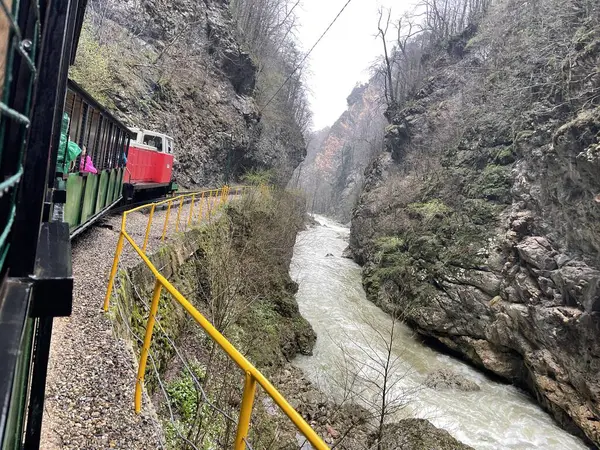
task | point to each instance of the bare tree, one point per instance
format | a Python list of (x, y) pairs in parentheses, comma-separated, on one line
[(372, 375), (382, 33)]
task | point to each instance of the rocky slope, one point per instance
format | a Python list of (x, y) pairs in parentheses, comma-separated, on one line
[(333, 173), (179, 67), (480, 221)]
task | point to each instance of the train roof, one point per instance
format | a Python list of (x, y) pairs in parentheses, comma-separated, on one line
[(143, 130), (72, 85)]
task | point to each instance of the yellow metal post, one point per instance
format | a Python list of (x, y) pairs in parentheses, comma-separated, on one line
[(209, 203), (245, 412), (146, 348), (191, 213), (113, 270), (148, 227), (164, 233), (178, 215), (200, 211)]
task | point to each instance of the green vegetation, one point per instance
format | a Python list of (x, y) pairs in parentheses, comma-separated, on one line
[(184, 393), (494, 183), (92, 68), (430, 210), (256, 177), (388, 244), (435, 240), (505, 156)]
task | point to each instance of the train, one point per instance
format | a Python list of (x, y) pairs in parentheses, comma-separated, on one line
[(110, 163), (65, 160)]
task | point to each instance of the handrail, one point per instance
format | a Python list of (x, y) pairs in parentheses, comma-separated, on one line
[(252, 374)]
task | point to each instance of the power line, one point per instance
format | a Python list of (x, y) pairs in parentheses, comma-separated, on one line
[(307, 55)]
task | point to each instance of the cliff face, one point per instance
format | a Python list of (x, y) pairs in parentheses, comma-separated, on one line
[(179, 68), (480, 223), (333, 173)]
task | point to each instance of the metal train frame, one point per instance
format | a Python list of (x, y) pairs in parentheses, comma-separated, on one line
[(38, 39)]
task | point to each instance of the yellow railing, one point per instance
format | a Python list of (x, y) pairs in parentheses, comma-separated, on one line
[(252, 375)]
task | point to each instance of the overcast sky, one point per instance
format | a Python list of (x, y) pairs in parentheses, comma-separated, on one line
[(343, 56)]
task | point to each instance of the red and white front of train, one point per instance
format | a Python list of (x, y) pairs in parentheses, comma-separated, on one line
[(149, 164)]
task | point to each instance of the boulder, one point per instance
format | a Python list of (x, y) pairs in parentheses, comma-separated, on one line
[(416, 434), (448, 379), (537, 252)]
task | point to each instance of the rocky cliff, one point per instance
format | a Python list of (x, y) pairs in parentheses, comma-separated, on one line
[(333, 173), (480, 223), (180, 67)]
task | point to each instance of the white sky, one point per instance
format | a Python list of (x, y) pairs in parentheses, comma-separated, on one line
[(343, 56)]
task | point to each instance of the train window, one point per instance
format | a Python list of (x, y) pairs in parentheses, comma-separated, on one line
[(169, 146), (133, 137), (153, 141)]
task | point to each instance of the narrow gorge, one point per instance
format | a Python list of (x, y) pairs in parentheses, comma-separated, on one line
[(421, 271), (478, 220)]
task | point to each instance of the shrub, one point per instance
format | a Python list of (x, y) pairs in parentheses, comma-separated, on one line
[(430, 210), (256, 177), (494, 183), (92, 69)]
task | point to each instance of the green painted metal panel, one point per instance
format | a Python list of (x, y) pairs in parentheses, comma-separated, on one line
[(74, 193), (89, 200), (102, 188), (122, 179), (111, 187), (16, 415), (118, 184)]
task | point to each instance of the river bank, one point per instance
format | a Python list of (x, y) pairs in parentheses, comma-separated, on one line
[(331, 298)]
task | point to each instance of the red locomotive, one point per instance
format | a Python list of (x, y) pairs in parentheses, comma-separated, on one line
[(149, 168)]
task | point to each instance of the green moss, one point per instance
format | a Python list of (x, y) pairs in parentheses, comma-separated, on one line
[(481, 212), (504, 156), (473, 41), (388, 244), (524, 135), (493, 183), (429, 210)]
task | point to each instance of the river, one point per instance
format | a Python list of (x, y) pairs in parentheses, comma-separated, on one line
[(332, 299)]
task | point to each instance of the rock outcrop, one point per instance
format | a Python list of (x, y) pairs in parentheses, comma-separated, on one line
[(447, 379), (480, 222), (418, 434), (180, 67), (333, 173)]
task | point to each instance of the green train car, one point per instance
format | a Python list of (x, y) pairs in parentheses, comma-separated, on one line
[(94, 177)]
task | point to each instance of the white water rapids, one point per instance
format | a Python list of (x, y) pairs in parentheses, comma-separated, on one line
[(332, 299)]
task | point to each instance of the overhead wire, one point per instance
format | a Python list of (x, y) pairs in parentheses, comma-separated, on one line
[(307, 55)]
